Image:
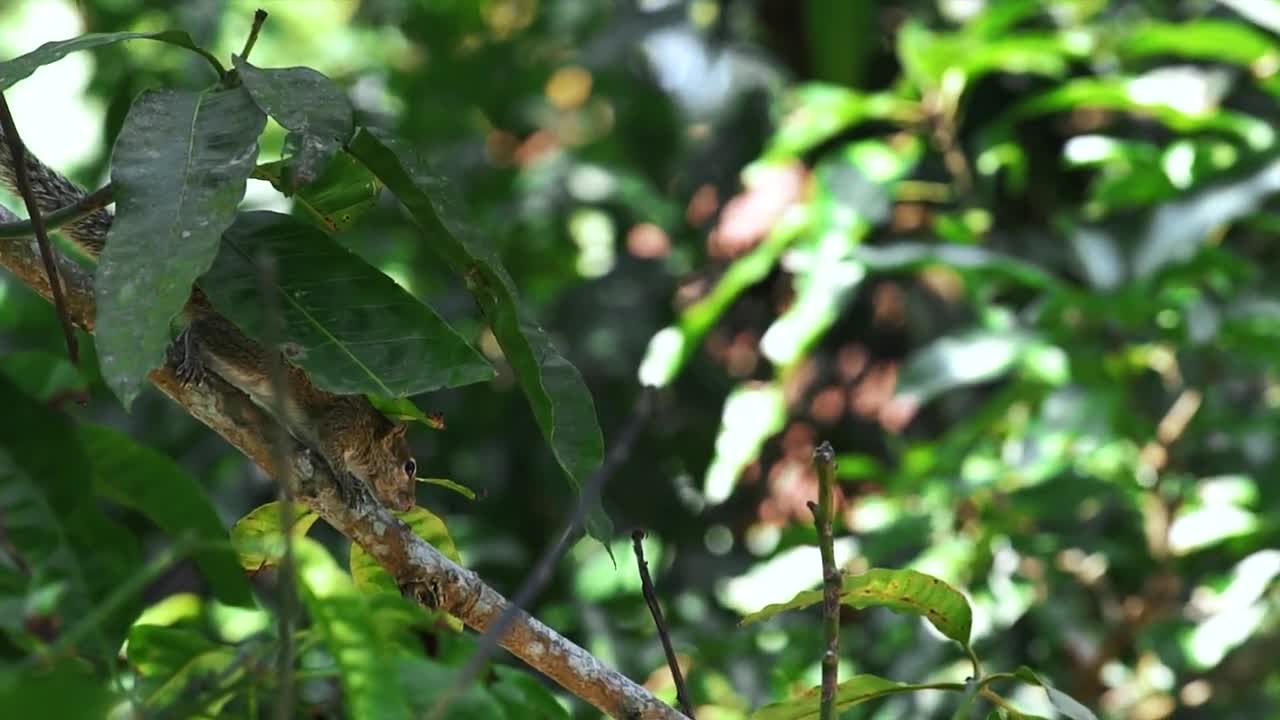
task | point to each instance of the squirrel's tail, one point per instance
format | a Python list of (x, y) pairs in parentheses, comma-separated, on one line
[(52, 191)]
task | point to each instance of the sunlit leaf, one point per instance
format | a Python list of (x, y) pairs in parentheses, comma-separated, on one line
[(752, 414), (257, 537), (906, 591), (947, 363), (364, 656)]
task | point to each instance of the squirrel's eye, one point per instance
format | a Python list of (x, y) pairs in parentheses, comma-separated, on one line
[(411, 468)]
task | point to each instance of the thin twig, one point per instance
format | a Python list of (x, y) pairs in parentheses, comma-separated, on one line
[(824, 460), (85, 206), (541, 572), (272, 333), (259, 17), (18, 153), (651, 599)]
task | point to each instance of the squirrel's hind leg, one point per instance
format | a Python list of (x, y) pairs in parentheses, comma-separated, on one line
[(184, 357)]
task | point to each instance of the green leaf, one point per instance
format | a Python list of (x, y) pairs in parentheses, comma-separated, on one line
[(74, 552), (817, 112), (559, 398), (365, 658), (157, 651), (404, 410), (1060, 701), (753, 413), (190, 686), (857, 689), (68, 691), (149, 482), (969, 358), (257, 538), (308, 104), (424, 681), (20, 67), (43, 375), (352, 328), (179, 168), (370, 577), (906, 591), (462, 490), (344, 192), (965, 258), (1210, 39)]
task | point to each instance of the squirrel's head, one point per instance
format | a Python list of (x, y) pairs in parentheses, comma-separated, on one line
[(403, 478)]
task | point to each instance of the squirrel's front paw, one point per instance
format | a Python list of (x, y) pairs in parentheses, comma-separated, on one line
[(184, 357)]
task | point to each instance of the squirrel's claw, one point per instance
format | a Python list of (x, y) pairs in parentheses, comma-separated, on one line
[(185, 359)]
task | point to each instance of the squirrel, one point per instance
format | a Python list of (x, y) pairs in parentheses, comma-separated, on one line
[(357, 440)]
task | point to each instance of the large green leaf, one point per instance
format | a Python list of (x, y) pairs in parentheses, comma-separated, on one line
[(11, 71), (559, 398), (310, 106), (151, 483), (908, 591), (855, 690), (69, 691), (52, 518), (352, 328), (365, 659), (179, 168)]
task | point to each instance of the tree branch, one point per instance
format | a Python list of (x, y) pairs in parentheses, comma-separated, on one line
[(420, 570)]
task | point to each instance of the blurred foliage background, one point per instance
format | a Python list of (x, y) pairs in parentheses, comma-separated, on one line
[(1011, 259)]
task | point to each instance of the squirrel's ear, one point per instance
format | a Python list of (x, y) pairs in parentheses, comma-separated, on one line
[(398, 431)]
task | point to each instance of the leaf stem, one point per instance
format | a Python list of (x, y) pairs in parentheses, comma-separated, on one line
[(824, 461), (259, 18), (77, 210)]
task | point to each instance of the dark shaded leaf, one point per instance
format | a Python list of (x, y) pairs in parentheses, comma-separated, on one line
[(51, 516), (560, 400), (149, 482), (308, 104), (352, 328), (179, 168)]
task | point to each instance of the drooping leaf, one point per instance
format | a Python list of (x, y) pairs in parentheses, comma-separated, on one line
[(310, 106), (154, 485), (352, 328), (561, 403), (366, 659), (179, 168), (1212, 39), (855, 690), (75, 553), (816, 112), (334, 200), (257, 537), (1061, 701), (908, 591), (11, 71), (370, 577)]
